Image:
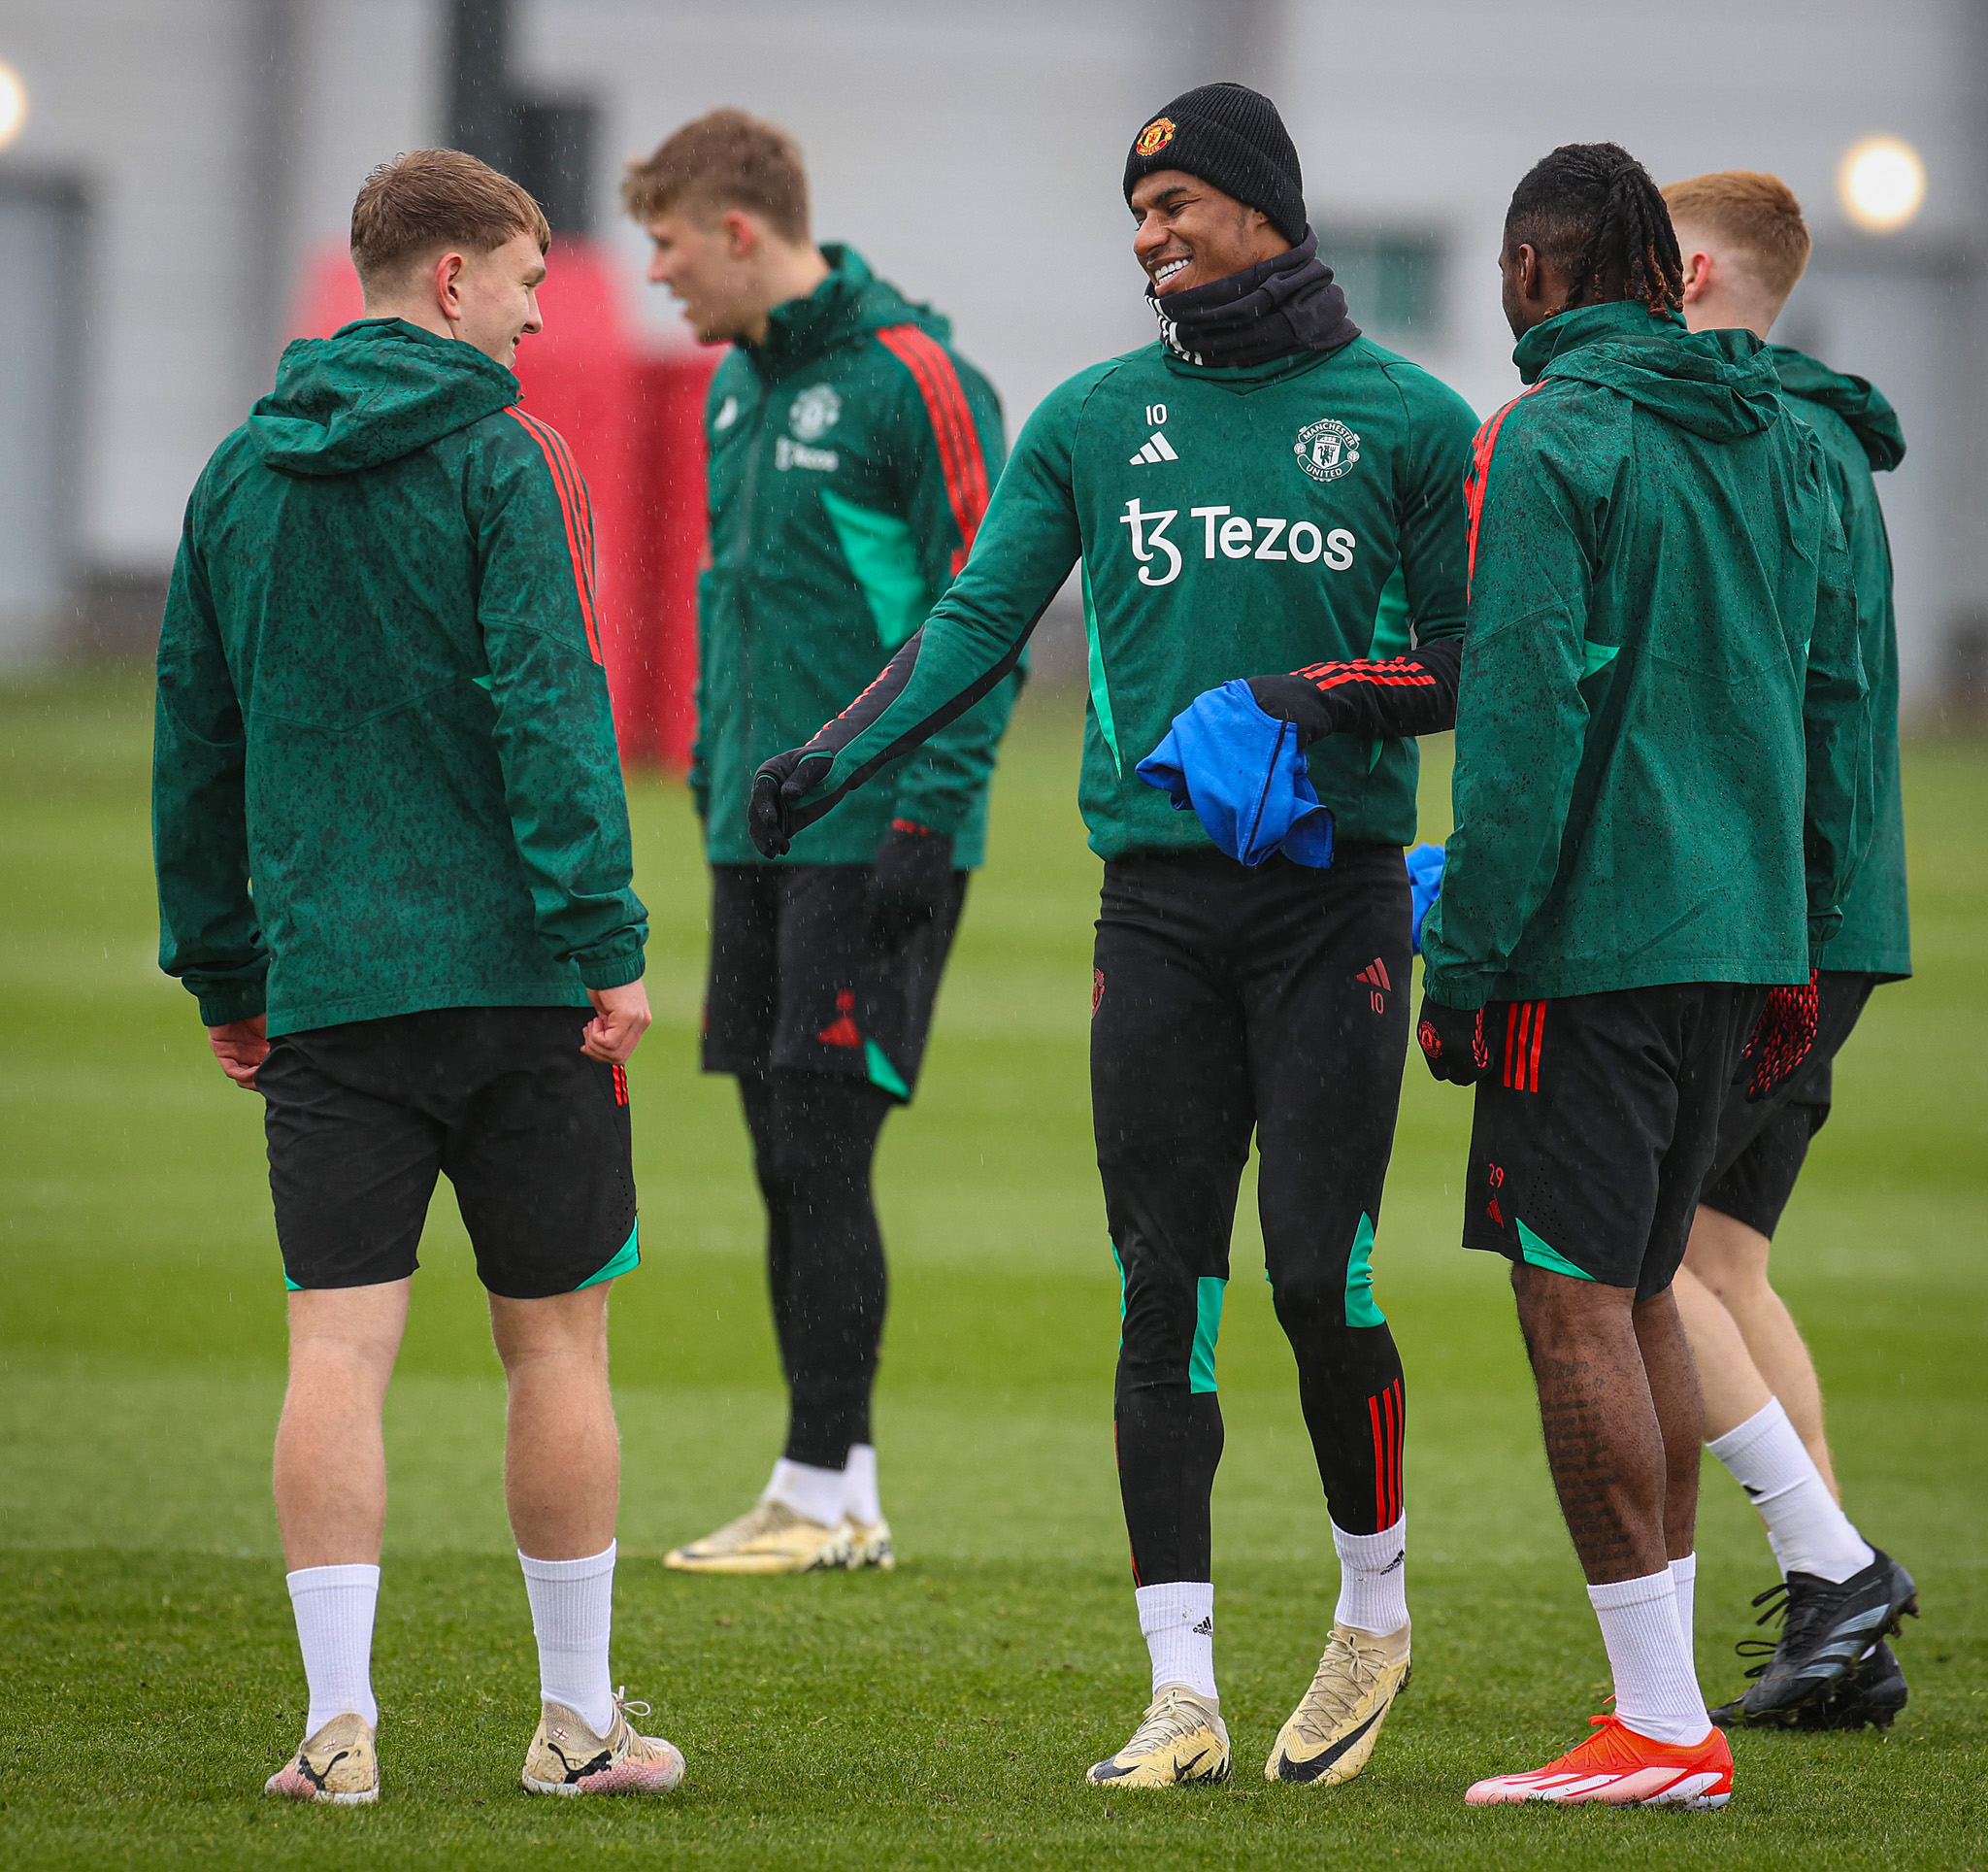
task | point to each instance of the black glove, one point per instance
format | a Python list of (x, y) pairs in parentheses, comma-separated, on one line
[(1296, 699), (778, 788), (1452, 1042), (911, 881), (1780, 1040)]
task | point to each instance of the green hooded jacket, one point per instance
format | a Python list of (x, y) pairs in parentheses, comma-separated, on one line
[(852, 456), (1663, 755), (1859, 433), (385, 775)]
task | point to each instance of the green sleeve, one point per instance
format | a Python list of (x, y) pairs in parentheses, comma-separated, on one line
[(1521, 721), (554, 732), (1429, 500), (210, 939), (946, 492), (974, 637), (1839, 803)]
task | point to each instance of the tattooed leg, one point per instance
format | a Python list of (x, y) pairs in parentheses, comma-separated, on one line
[(1604, 1439)]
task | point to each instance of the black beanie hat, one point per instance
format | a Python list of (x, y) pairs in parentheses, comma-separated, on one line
[(1232, 137)]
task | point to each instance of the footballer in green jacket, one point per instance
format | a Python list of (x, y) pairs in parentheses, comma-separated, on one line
[(1663, 788), (1744, 244), (851, 451), (1263, 490)]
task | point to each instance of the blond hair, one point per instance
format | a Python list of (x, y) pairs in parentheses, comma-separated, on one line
[(723, 159), (436, 198), (1757, 213)]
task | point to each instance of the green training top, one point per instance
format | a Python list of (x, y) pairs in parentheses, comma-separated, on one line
[(385, 777), (1859, 432), (1230, 522), (851, 454), (1663, 765)]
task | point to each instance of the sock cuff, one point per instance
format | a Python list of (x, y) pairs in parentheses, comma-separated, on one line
[(330, 1579), (1684, 1570), (1174, 1602), (1616, 1595), (592, 1566), (1742, 1437), (1370, 1551)]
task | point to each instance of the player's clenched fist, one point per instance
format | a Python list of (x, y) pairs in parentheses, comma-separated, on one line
[(777, 788), (1452, 1042)]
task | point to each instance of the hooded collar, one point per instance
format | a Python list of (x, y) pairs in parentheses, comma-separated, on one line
[(1717, 384), (850, 300), (1277, 307), (1870, 417), (375, 390)]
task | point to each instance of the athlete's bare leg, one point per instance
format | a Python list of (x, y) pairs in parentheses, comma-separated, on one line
[(562, 1453), (1726, 1267)]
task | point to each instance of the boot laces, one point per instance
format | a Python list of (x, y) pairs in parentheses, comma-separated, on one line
[(1335, 1693), (1800, 1611), (1168, 1720)]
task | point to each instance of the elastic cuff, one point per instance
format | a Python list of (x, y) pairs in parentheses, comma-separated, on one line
[(221, 1006), (615, 972), (589, 1566)]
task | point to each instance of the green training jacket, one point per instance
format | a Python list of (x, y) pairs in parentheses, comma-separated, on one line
[(852, 456), (1663, 755), (1859, 433), (1230, 522), (385, 777)]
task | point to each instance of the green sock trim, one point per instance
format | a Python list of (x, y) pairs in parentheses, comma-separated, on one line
[(1207, 1326), (1551, 1260), (627, 1258), (1360, 1308), (883, 1073)]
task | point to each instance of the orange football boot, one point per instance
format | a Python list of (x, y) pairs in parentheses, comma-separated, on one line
[(1623, 1769)]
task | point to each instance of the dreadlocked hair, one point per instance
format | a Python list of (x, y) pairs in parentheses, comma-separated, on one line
[(1592, 210)]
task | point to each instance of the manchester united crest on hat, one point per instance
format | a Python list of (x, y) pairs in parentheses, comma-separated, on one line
[(1154, 137)]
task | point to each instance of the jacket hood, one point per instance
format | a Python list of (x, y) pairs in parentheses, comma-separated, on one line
[(1718, 385), (375, 391), (850, 301), (1871, 419)]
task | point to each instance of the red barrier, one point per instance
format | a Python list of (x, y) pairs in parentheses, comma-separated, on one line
[(634, 422)]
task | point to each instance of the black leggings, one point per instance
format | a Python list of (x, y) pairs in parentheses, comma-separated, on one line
[(813, 1139), (1231, 1001)]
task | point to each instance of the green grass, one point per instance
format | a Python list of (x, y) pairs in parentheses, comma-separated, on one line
[(941, 1715)]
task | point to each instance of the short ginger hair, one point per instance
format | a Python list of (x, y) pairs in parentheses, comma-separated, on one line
[(725, 159), (427, 199), (1757, 213)]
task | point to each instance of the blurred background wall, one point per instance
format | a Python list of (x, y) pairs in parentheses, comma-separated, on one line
[(169, 165)]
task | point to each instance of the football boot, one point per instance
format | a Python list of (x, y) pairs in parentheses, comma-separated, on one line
[(1338, 1720), (567, 1757), (1826, 1630), (1620, 1768), (339, 1765), (770, 1539), (1181, 1738)]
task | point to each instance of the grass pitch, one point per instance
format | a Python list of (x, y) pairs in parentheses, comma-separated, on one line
[(941, 1715)]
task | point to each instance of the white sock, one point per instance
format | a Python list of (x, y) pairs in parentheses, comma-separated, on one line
[(815, 1495), (1656, 1688), (334, 1607), (1178, 1621), (572, 1614), (860, 1502), (1809, 1532), (1374, 1579), (1684, 1586)]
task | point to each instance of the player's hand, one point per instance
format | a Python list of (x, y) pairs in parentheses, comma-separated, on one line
[(1452, 1042), (1780, 1039), (240, 1046), (777, 788), (621, 1016), (1313, 712), (911, 881)]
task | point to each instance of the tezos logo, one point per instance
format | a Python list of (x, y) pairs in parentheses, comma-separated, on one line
[(1154, 137), (1327, 448), (814, 412)]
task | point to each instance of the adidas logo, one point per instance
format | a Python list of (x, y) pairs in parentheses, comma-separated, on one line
[(1206, 1627), (1374, 975), (1157, 448)]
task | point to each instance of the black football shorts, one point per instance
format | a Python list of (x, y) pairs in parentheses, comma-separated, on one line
[(801, 979), (533, 1135), (1596, 1127), (1763, 1145)]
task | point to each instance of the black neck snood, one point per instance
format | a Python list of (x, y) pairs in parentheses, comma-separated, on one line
[(1285, 304)]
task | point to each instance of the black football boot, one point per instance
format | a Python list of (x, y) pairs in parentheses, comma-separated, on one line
[(1828, 1636)]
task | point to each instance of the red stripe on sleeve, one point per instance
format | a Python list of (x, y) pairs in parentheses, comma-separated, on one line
[(1478, 472), (577, 513), (1379, 1464), (960, 457)]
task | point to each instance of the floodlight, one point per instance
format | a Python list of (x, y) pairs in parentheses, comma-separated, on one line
[(1881, 184)]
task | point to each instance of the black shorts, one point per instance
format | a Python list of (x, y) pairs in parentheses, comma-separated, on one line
[(800, 978), (1762, 1145), (1597, 1123), (533, 1135)]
